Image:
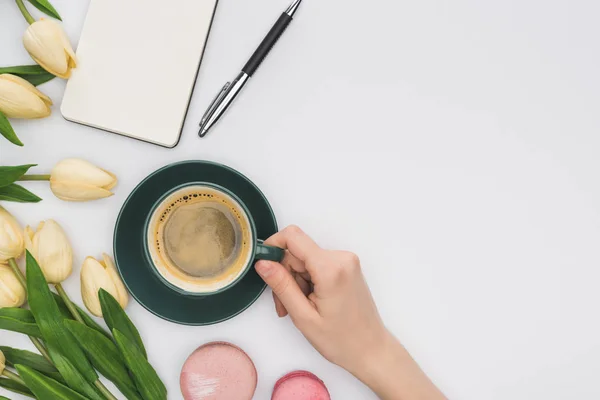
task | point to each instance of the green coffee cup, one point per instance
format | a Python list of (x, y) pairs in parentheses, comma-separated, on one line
[(201, 239)]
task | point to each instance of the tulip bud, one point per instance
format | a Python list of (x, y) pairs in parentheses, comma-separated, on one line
[(49, 46), (12, 293), (51, 249), (74, 179), (2, 362), (96, 275), (11, 238), (20, 99)]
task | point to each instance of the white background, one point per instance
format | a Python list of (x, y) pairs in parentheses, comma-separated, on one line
[(453, 145)]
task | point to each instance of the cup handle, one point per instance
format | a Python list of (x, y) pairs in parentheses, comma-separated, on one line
[(269, 253)]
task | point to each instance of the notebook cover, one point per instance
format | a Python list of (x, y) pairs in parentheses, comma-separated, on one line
[(137, 65)]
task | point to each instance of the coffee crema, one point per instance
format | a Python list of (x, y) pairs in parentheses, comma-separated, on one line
[(199, 239)]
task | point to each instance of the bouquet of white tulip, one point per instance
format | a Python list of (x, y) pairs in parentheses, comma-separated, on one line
[(48, 46), (74, 346)]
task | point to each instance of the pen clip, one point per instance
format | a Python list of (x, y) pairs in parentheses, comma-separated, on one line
[(214, 103)]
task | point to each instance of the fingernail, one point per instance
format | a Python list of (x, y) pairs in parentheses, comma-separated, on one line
[(264, 268)]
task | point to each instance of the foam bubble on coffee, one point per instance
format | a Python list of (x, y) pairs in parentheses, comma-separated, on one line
[(201, 238)]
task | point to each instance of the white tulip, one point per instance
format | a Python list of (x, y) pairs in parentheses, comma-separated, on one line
[(49, 46), (12, 293), (74, 179), (51, 249), (11, 236), (96, 275), (20, 99)]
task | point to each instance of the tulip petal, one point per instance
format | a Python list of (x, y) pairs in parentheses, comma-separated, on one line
[(12, 293), (81, 171), (72, 60), (114, 181), (73, 191), (17, 101), (54, 253), (122, 293), (65, 75), (93, 278), (28, 240), (11, 237), (27, 85)]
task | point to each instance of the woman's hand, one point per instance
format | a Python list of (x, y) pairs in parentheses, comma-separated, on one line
[(326, 295)]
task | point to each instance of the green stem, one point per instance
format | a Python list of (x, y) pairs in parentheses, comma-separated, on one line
[(38, 345), (30, 20), (17, 272), (68, 303), (34, 178), (13, 377), (104, 390)]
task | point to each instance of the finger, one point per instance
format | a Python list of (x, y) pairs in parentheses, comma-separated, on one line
[(279, 308), (303, 284), (296, 241), (306, 288), (293, 263), (312, 299), (285, 288)]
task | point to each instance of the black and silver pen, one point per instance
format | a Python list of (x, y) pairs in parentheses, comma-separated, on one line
[(231, 89)]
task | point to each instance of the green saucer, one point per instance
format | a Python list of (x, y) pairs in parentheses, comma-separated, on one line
[(137, 272)]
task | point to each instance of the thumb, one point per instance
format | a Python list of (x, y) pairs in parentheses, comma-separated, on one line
[(285, 288)]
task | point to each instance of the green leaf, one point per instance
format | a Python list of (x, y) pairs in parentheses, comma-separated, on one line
[(74, 379), (89, 321), (105, 357), (50, 321), (19, 320), (46, 388), (21, 314), (17, 193), (64, 310), (9, 175), (21, 70), (9, 324), (145, 377), (37, 80), (35, 74), (115, 318), (7, 131), (32, 360), (15, 387), (45, 7)]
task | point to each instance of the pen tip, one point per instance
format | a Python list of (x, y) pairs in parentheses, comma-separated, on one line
[(293, 8)]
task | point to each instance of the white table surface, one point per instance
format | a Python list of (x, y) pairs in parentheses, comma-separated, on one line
[(452, 145)]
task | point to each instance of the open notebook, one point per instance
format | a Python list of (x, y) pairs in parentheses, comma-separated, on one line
[(137, 65)]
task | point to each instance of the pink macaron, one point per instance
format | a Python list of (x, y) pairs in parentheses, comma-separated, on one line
[(218, 371), (300, 385)]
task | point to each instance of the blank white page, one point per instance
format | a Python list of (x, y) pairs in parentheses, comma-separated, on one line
[(137, 64)]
